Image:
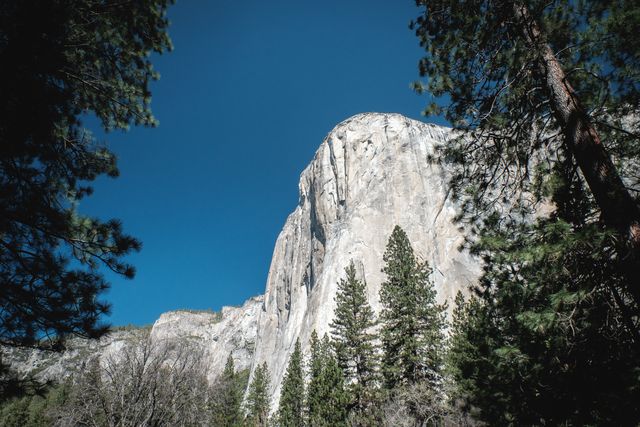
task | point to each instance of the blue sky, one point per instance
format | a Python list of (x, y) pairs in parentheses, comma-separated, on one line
[(244, 100)]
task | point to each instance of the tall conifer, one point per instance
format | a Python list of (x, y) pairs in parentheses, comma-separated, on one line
[(291, 410), (227, 404), (353, 342), (258, 398), (327, 399), (412, 321)]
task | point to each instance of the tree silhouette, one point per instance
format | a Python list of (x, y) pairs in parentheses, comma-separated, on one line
[(61, 61)]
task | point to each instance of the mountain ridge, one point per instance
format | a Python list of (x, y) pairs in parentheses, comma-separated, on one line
[(370, 173)]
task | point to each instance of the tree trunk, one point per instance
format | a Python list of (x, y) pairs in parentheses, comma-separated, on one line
[(619, 210)]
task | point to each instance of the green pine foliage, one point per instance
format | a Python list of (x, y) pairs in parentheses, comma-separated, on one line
[(34, 409), (291, 409), (353, 341), (16, 413), (327, 399), (460, 352), (550, 335), (412, 321), (550, 339), (317, 360), (63, 60), (227, 404), (534, 84), (481, 56), (257, 403)]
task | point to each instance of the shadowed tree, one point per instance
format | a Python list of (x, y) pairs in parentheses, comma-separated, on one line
[(327, 398), (226, 403), (548, 95), (534, 83), (258, 398), (63, 60), (291, 409), (544, 340)]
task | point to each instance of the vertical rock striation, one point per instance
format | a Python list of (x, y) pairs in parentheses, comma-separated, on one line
[(370, 173)]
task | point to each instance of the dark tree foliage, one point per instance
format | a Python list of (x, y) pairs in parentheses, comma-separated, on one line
[(535, 83), (314, 398), (34, 409), (353, 341), (62, 60), (548, 178), (291, 409), (227, 405), (412, 321), (546, 341), (327, 398), (258, 398), (460, 350)]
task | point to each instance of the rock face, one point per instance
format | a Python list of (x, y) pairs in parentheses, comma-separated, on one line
[(232, 331), (217, 335), (370, 173), (54, 366)]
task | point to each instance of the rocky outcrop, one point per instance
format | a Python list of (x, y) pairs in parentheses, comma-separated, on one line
[(232, 331), (370, 173), (216, 335)]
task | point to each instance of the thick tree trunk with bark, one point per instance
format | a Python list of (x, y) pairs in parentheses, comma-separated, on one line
[(619, 210)]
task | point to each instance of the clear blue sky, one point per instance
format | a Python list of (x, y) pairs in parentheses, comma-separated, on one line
[(244, 100)]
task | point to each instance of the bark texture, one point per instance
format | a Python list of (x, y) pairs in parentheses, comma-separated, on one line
[(619, 210)]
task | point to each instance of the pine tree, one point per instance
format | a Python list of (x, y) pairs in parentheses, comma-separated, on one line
[(548, 95), (258, 398), (547, 342), (291, 409), (412, 321), (534, 83), (461, 353), (227, 409), (315, 396), (63, 61), (354, 343), (327, 398)]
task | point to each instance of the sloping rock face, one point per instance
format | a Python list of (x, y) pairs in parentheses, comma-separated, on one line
[(217, 335), (231, 332), (370, 173), (55, 366)]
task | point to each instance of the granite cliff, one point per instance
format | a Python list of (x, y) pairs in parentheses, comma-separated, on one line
[(369, 174)]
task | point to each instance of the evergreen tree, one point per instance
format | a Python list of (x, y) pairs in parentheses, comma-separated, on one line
[(258, 398), (327, 399), (354, 343), (460, 353), (291, 409), (16, 413), (412, 321), (548, 342), (534, 83), (315, 396), (227, 404), (63, 60), (548, 94)]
